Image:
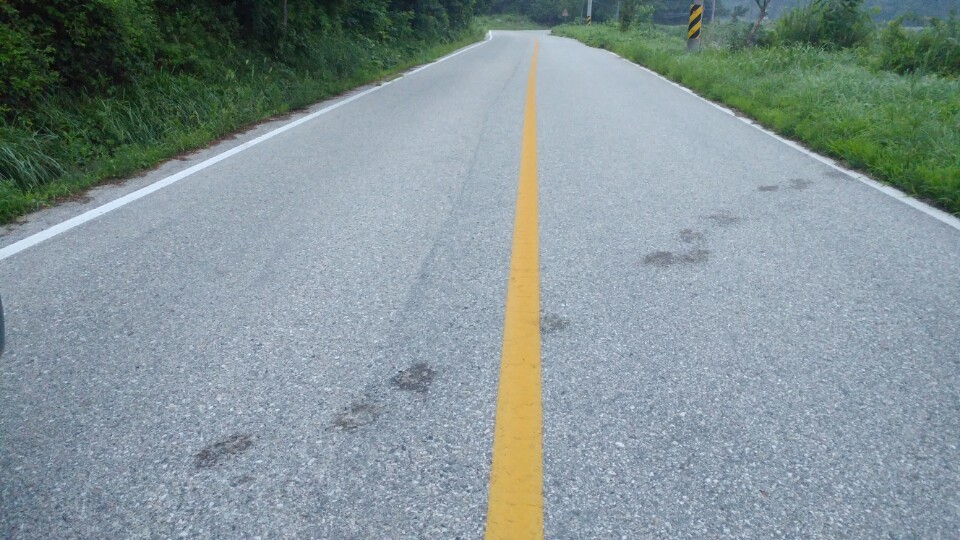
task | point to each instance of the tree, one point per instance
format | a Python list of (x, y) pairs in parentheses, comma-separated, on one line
[(632, 12), (763, 5)]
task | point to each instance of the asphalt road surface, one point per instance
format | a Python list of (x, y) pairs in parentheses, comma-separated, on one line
[(304, 339)]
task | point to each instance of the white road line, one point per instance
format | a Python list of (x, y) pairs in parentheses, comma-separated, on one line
[(65, 226), (944, 217)]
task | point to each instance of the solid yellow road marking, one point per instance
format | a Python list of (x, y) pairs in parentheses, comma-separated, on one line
[(515, 503)]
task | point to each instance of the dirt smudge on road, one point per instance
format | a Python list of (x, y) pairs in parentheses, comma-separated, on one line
[(551, 323), (416, 378), (243, 480), (689, 236), (663, 259), (217, 453), (724, 218)]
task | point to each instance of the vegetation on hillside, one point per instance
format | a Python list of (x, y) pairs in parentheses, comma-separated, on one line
[(94, 89), (884, 100)]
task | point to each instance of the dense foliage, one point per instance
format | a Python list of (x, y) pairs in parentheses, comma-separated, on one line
[(91, 89)]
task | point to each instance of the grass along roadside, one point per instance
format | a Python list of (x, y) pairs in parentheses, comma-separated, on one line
[(901, 129), (74, 143)]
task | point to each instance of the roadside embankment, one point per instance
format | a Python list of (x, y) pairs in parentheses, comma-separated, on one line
[(92, 91)]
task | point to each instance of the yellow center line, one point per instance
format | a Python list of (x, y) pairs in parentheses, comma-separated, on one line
[(515, 503)]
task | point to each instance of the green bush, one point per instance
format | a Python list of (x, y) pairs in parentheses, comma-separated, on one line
[(931, 50), (829, 23)]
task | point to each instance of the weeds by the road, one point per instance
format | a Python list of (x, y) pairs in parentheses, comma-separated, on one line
[(900, 128)]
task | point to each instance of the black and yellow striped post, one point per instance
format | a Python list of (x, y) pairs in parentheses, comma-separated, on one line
[(696, 21), (589, 11)]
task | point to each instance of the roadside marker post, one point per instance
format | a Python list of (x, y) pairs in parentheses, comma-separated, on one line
[(696, 21), (589, 11)]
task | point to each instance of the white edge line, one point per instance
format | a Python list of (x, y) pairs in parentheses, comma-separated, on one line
[(90, 215), (944, 217)]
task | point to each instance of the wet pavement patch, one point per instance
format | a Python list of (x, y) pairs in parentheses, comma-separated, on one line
[(690, 236), (664, 259), (243, 480), (724, 218), (357, 415), (768, 188), (550, 323), (219, 452), (659, 258), (416, 378), (800, 184)]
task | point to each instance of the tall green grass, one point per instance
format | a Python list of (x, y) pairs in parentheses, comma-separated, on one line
[(70, 142), (24, 161), (901, 129)]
